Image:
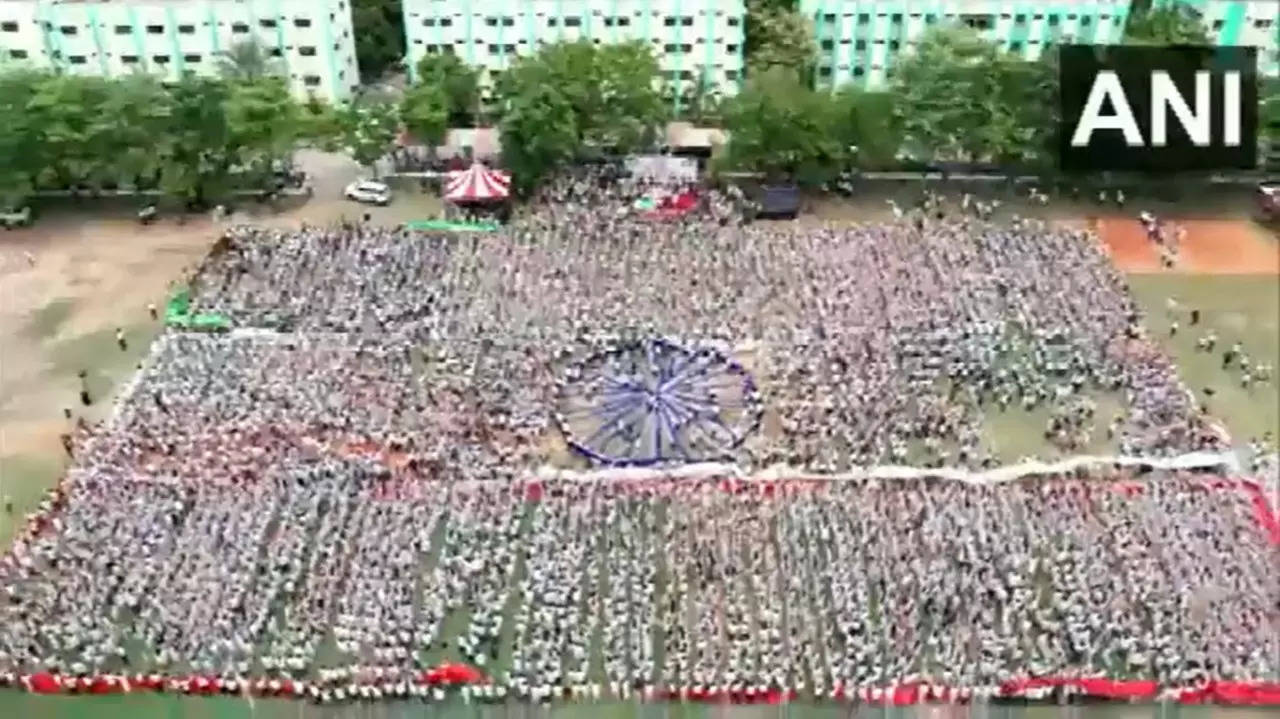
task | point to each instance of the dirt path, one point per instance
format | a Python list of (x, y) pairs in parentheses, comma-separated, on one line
[(1211, 247)]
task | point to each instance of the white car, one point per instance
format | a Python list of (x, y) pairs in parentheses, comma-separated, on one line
[(368, 192), (19, 217)]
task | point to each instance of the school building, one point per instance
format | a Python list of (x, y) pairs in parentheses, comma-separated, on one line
[(698, 43), (313, 39)]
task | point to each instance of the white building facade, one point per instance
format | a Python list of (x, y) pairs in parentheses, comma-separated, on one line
[(313, 39), (698, 43)]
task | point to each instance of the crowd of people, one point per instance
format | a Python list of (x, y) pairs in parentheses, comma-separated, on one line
[(336, 490), (616, 588)]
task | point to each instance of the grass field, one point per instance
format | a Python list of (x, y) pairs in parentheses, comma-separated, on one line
[(1244, 308)]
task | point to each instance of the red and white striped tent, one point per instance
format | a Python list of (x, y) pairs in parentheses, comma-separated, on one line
[(477, 184)]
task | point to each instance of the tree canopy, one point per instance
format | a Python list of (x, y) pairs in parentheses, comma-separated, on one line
[(962, 98), (424, 110), (378, 27), (1175, 24), (459, 81), (573, 95), (777, 35)]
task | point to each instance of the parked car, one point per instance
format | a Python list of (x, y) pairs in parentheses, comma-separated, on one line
[(19, 217), (368, 192)]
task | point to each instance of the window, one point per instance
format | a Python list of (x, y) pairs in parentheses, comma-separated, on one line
[(893, 44), (306, 50), (239, 28), (686, 74), (68, 29), (731, 48), (608, 22), (1262, 24), (978, 22), (301, 22), (896, 18), (429, 22), (187, 29), (508, 22), (9, 26), (624, 21), (129, 59), (552, 22), (161, 59), (1053, 21), (670, 47), (493, 49), (430, 48), (573, 22), (446, 22), (491, 21), (1015, 46), (1086, 21), (311, 80), (267, 23), (860, 45), (155, 29), (824, 71), (1022, 19), (191, 58), (827, 45), (1217, 24), (733, 22), (687, 21), (18, 54), (275, 52), (864, 18), (858, 71), (928, 20), (731, 74), (512, 48), (669, 21)]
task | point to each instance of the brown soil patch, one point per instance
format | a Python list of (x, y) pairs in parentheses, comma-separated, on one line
[(1214, 247)]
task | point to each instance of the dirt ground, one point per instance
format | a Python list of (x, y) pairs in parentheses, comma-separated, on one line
[(76, 275), (1211, 247)]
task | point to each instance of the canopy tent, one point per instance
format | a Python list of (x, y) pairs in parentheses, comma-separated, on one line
[(477, 184)]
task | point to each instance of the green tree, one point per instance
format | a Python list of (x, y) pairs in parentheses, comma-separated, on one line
[(367, 130), (460, 82), (197, 152), (609, 89), (264, 124), (136, 119), (68, 110), (539, 133), (318, 125), (1172, 24), (425, 113), (247, 62), (960, 97), (866, 126), (777, 35), (21, 138), (378, 26), (784, 129)]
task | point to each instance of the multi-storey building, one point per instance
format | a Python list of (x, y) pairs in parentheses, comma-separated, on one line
[(698, 43), (859, 40), (311, 38), (1249, 23)]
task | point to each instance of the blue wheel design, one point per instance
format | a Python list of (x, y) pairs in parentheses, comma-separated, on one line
[(654, 402)]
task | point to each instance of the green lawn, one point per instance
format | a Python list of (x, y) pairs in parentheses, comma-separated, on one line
[(1243, 308)]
